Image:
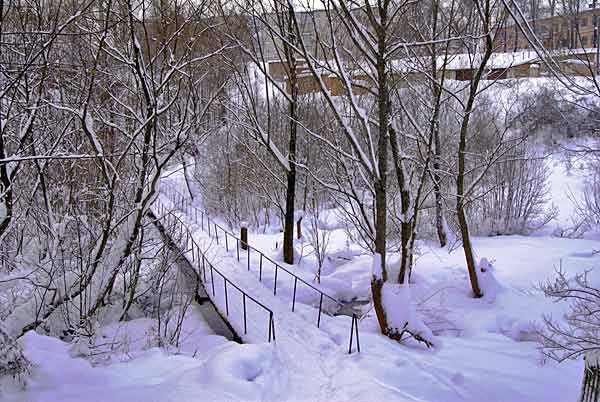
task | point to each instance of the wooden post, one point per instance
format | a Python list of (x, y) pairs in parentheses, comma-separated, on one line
[(244, 237), (299, 228)]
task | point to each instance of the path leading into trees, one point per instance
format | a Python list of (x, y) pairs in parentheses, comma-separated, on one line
[(305, 360)]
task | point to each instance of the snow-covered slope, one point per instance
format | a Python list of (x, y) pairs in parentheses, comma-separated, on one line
[(484, 349)]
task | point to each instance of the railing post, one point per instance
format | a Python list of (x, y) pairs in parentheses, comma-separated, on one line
[(244, 235), (202, 220), (193, 256), (273, 325), (294, 298), (351, 333), (244, 303), (212, 278), (226, 243), (248, 258), (238, 249), (357, 339), (275, 284), (208, 220), (270, 324), (260, 268), (226, 301), (320, 308), (203, 271)]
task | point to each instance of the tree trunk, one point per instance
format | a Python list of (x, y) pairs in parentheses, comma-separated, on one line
[(590, 388), (466, 242), (435, 130), (376, 290), (380, 247), (460, 206), (462, 152), (135, 278), (186, 177), (460, 203), (439, 206), (380, 182), (406, 225), (290, 199), (6, 191)]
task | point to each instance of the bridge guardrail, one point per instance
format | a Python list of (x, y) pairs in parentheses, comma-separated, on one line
[(198, 256), (185, 206)]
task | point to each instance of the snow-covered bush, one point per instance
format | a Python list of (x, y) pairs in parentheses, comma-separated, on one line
[(578, 334), (228, 184), (514, 195), (587, 209), (318, 236), (12, 361), (553, 114), (507, 172), (402, 320)]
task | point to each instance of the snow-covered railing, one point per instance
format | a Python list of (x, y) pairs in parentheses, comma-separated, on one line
[(186, 206), (203, 264)]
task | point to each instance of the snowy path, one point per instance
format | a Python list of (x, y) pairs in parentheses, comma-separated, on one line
[(308, 363), (480, 361), (306, 360)]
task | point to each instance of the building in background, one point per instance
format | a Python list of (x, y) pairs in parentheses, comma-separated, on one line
[(565, 31)]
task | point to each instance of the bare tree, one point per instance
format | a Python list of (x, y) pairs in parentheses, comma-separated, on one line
[(579, 335), (274, 36), (118, 113), (358, 42)]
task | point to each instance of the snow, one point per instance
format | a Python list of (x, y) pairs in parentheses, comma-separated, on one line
[(470, 333), (154, 375), (483, 348), (497, 60), (487, 281), (401, 312), (376, 267), (565, 184)]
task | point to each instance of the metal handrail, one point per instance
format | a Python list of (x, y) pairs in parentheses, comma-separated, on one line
[(263, 255), (226, 280), (185, 203)]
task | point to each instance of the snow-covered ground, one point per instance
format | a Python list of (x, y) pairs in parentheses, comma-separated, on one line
[(484, 349)]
